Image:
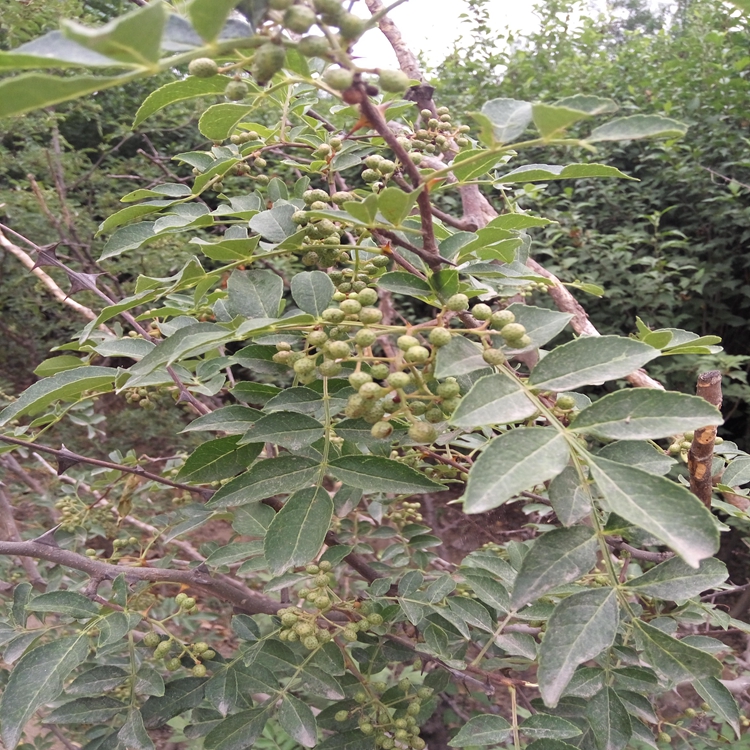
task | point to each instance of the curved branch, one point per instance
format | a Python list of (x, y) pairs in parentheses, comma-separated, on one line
[(242, 597)]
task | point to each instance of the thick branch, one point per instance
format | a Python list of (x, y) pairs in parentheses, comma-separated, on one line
[(406, 59), (242, 597), (374, 116), (701, 453)]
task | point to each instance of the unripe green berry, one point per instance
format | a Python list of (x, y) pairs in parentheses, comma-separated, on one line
[(370, 315), (200, 647), (422, 432), (393, 81), (493, 356), (417, 354), (380, 370), (351, 27), (406, 342), (333, 315), (208, 655), (317, 338), (367, 296), (434, 415), (440, 337), (381, 430), (481, 311), (236, 90), (370, 175), (413, 708), (203, 67), (501, 318), (349, 634), (375, 619), (189, 603), (337, 349), (664, 737), (350, 306), (404, 684), (330, 369), (314, 46), (199, 670), (565, 402), (180, 598), (512, 332), (341, 716), (338, 78), (304, 366), (424, 692), (371, 391), (299, 19), (387, 167), (449, 388), (310, 643), (152, 640), (173, 665), (366, 728), (399, 380), (365, 337), (267, 61), (358, 379), (458, 302)]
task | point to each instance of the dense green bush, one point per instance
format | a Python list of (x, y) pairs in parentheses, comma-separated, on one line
[(366, 355), (672, 248)]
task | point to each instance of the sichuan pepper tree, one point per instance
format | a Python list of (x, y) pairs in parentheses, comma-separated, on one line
[(357, 357)]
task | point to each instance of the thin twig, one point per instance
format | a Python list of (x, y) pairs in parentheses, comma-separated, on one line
[(65, 454)]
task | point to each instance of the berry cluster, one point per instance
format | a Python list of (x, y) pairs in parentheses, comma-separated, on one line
[(190, 655), (390, 727), (437, 133), (75, 513), (300, 625), (298, 17)]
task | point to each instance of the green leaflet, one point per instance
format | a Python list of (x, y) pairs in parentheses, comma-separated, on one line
[(37, 679), (641, 413), (580, 628), (493, 400), (64, 386), (673, 660), (609, 720), (487, 729), (674, 580), (556, 557), (178, 91), (298, 530), (665, 509), (269, 477), (376, 474), (513, 462), (590, 360), (312, 291), (218, 459)]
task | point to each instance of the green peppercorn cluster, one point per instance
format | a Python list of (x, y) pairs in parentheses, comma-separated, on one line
[(437, 133), (405, 513), (301, 625), (75, 513), (389, 727), (177, 655)]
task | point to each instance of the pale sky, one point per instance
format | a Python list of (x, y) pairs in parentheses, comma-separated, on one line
[(431, 26)]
